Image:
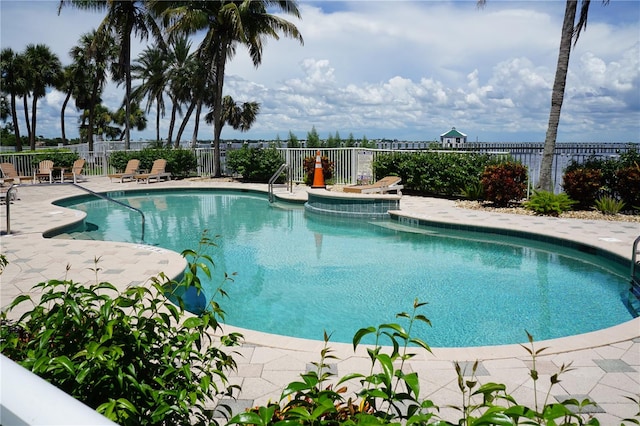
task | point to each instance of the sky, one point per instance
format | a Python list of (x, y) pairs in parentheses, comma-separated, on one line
[(405, 70)]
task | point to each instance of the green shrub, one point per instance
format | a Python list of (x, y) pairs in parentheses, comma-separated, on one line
[(583, 185), (609, 205), (548, 203), (504, 183), (310, 168), (254, 164), (180, 162), (433, 173), (133, 356)]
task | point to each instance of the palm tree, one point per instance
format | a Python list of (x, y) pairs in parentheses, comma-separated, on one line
[(13, 83), (239, 116), (570, 34), (95, 55), (179, 81), (45, 70), (151, 69), (227, 24), (123, 18)]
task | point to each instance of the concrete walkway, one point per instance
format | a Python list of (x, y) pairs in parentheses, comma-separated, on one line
[(607, 362)]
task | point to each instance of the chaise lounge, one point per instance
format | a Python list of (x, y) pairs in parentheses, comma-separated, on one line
[(157, 172), (384, 185), (9, 173), (130, 171)]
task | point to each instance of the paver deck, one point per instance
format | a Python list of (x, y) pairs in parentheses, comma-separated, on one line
[(607, 362)]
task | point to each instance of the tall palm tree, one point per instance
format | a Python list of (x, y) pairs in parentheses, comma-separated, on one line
[(95, 55), (45, 70), (13, 83), (569, 36), (228, 23), (123, 18), (151, 69)]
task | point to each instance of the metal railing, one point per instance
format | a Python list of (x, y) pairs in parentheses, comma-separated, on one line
[(275, 177), (635, 263), (104, 197)]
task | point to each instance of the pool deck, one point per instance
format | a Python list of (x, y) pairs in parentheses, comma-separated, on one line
[(606, 362)]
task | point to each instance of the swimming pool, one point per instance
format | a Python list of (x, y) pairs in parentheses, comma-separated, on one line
[(299, 275)]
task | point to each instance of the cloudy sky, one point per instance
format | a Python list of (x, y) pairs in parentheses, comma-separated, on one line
[(407, 70)]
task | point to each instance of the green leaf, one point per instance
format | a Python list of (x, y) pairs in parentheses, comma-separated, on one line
[(248, 418), (65, 362), (360, 334)]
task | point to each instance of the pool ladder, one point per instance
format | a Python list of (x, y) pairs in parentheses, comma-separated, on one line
[(14, 186), (274, 178), (635, 277)]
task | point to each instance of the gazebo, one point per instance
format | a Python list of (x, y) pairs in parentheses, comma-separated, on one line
[(453, 139)]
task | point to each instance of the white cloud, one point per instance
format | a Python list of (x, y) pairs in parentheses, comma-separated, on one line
[(410, 70)]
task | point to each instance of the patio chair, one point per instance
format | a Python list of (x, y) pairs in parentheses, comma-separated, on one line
[(45, 171), (384, 185), (9, 173), (129, 173), (76, 171), (157, 172)]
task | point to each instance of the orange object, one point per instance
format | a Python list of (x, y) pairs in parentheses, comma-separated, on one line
[(318, 174)]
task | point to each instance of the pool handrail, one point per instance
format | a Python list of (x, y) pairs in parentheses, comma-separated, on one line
[(107, 198), (275, 177), (635, 263)]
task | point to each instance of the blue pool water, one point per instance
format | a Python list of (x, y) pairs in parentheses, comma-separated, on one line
[(300, 274)]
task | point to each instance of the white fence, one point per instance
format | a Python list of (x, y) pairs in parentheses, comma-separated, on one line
[(351, 165)]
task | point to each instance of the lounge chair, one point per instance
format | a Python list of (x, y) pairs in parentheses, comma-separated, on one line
[(45, 171), (384, 185), (76, 171), (9, 173), (157, 172), (129, 173)]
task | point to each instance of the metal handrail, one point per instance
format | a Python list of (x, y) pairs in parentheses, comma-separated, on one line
[(275, 177), (104, 197), (634, 259), (86, 190), (8, 202)]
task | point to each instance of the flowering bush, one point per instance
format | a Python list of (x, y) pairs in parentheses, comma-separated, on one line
[(583, 185), (504, 183)]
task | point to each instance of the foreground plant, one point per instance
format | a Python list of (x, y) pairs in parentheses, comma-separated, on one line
[(132, 355), (389, 395), (609, 205)]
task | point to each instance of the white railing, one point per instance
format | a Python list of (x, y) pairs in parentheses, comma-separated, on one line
[(27, 399)]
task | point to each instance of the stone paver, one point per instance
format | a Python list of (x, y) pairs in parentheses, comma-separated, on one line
[(606, 363)]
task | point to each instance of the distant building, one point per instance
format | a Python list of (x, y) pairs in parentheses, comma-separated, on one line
[(453, 139)]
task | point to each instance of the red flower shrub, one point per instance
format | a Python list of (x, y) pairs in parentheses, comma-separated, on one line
[(628, 185), (504, 182), (583, 185)]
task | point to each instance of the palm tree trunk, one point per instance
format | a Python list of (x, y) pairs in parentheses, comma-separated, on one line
[(16, 128), (174, 109), (64, 107), (557, 96), (127, 77), (158, 119), (25, 106), (32, 138), (220, 61), (186, 118), (196, 127)]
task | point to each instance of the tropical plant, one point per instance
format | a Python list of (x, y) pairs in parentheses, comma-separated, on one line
[(628, 184), (473, 190), (122, 18), (132, 355), (228, 24), (504, 183), (44, 70), (548, 203), (609, 205)]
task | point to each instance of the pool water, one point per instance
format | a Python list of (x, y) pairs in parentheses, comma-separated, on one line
[(300, 274)]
